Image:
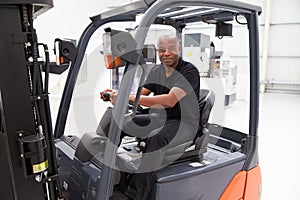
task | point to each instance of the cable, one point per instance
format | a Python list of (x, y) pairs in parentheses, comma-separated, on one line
[(47, 67)]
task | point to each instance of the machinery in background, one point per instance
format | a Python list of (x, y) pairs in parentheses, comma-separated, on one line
[(227, 72), (198, 49)]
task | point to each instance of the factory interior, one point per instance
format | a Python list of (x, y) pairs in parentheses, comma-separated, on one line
[(247, 53)]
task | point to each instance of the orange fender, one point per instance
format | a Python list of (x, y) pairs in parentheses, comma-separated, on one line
[(253, 184), (245, 185)]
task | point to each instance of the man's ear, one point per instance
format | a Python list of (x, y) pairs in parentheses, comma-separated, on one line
[(179, 49)]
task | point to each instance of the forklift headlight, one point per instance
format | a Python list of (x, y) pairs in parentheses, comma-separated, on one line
[(111, 61), (119, 48), (65, 51)]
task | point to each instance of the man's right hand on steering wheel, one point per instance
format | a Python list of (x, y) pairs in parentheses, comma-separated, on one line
[(109, 95)]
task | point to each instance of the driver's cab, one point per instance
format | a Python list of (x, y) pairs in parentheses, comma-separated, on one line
[(130, 149), (119, 56)]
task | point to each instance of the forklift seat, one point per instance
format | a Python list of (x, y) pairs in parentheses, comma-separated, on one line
[(186, 150), (177, 151), (181, 150), (206, 102)]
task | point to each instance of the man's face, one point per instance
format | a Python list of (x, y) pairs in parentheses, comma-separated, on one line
[(168, 51)]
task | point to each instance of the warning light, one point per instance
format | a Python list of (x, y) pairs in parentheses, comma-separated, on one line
[(119, 48)]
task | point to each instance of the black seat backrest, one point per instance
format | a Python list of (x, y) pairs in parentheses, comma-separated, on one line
[(206, 103)]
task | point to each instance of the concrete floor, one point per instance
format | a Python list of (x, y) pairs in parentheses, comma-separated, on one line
[(279, 131)]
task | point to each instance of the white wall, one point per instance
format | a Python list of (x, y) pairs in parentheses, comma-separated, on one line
[(284, 46), (282, 66), (67, 19)]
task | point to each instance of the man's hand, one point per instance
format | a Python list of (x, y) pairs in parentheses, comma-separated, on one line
[(105, 94), (132, 97), (109, 95)]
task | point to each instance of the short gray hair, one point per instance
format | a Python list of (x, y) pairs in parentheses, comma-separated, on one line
[(168, 36)]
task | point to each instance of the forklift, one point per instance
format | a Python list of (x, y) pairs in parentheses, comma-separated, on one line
[(69, 163)]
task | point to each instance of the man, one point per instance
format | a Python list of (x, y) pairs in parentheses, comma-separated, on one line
[(175, 85)]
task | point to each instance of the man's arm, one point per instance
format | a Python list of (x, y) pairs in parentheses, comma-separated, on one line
[(112, 97), (164, 100)]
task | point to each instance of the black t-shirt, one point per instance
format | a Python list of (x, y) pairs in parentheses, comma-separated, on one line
[(186, 77)]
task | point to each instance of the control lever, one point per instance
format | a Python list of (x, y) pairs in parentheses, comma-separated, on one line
[(106, 96)]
